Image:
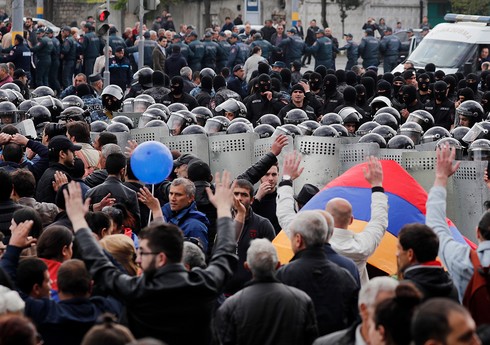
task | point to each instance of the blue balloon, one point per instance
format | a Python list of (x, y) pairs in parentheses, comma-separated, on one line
[(152, 162)]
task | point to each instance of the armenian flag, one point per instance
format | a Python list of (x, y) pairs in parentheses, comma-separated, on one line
[(406, 204)]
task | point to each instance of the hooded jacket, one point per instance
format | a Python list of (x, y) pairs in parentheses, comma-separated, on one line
[(432, 281)]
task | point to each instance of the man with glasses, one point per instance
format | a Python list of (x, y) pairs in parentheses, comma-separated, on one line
[(167, 302), (276, 39)]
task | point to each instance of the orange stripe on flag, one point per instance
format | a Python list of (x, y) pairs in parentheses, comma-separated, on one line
[(383, 258)]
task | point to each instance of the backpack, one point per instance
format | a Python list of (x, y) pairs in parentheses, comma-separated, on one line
[(477, 295)]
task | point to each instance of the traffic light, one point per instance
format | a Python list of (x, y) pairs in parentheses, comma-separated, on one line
[(102, 20)]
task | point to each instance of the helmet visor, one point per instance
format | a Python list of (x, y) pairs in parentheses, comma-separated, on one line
[(213, 126), (175, 124), (476, 132)]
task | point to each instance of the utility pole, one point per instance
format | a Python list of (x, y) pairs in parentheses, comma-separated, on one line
[(141, 43), (107, 73), (39, 8), (17, 18)]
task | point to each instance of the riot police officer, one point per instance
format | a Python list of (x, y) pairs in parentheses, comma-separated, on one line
[(322, 50), (42, 51), (198, 49), (53, 76), (352, 51), (368, 49), (294, 47), (69, 55), (266, 46), (211, 53), (91, 48), (390, 47)]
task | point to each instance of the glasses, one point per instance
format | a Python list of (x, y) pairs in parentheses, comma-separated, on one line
[(142, 253)]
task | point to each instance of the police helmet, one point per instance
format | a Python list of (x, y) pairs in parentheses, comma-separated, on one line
[(373, 138), (117, 127), (39, 114), (340, 129), (72, 101), (434, 134), (288, 129), (231, 105), (412, 130), (379, 102), (390, 110), (242, 120), (54, 105), (202, 114), (366, 128), (123, 119), (458, 133), (307, 127), (180, 120), (8, 113), (142, 102), (143, 77), (10, 86), (400, 141), (162, 107), (98, 126), (472, 110), (4, 96), (264, 130), (41, 91), (386, 119), (26, 105), (150, 115), (239, 127), (326, 131), (207, 72), (479, 150), (127, 105), (194, 129), (17, 97), (350, 115), (216, 124), (176, 107), (422, 117), (114, 91), (385, 131), (112, 97), (295, 116), (331, 118), (155, 123), (455, 144), (269, 119), (73, 114)]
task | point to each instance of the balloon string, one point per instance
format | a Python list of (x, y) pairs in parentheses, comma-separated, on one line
[(152, 193)]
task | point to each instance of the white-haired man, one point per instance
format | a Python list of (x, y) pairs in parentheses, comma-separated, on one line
[(332, 288), (266, 311)]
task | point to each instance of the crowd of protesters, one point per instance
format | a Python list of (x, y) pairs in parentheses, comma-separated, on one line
[(90, 255)]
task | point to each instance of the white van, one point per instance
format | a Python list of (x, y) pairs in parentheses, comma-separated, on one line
[(452, 45)]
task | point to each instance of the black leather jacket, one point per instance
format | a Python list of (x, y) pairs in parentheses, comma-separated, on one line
[(172, 304)]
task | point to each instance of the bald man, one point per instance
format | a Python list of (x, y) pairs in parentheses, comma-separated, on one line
[(360, 246)]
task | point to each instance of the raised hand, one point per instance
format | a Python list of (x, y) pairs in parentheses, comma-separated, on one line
[(373, 173), (291, 165), (75, 208), (223, 197)]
